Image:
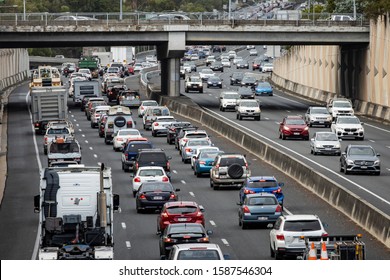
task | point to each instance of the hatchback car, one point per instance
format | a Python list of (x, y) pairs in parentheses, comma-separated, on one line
[(360, 159), (294, 127), (180, 212), (214, 82), (325, 142), (264, 88), (148, 174), (204, 162), (259, 208), (121, 136), (182, 233), (260, 184), (189, 148), (194, 251), (153, 195), (286, 236), (144, 105), (199, 150)]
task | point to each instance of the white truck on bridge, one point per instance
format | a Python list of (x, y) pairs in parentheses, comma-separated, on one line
[(124, 55)]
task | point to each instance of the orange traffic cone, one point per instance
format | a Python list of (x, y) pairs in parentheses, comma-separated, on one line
[(324, 252), (312, 252)]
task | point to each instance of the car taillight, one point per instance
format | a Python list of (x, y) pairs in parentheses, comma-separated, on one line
[(324, 234), (142, 196), (164, 214), (246, 191), (119, 139), (165, 179), (199, 214), (168, 166), (204, 239), (168, 240), (45, 139), (142, 107), (155, 124), (129, 124), (136, 166), (188, 150), (246, 209), (137, 179), (202, 162), (279, 190), (36, 124), (280, 237), (127, 156), (185, 140), (97, 115), (217, 166), (172, 196), (278, 209)]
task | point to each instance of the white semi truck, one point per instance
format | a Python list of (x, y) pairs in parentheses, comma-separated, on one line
[(123, 55), (76, 210)]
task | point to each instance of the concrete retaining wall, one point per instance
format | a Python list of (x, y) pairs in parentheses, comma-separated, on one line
[(366, 215)]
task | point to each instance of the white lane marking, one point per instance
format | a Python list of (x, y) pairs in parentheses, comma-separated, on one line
[(72, 115), (254, 159), (36, 245), (128, 245), (86, 141), (77, 125), (74, 120), (372, 141), (388, 169), (183, 182), (83, 135), (302, 156), (288, 111), (266, 119), (95, 155), (174, 171), (213, 223), (80, 129), (224, 241), (91, 148), (210, 94), (379, 128), (123, 225), (288, 212), (388, 147), (192, 194)]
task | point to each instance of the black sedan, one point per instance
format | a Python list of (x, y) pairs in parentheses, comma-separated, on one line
[(246, 92), (182, 233), (215, 82), (236, 78), (153, 195), (242, 64), (249, 81), (216, 66)]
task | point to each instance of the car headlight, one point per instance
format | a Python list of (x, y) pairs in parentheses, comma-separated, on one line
[(286, 128), (377, 162), (306, 128), (329, 118), (361, 129), (318, 146), (349, 161), (337, 146)]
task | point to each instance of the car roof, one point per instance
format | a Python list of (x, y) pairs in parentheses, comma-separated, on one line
[(261, 194)]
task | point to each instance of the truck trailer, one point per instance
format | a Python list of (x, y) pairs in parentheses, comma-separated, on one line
[(76, 210)]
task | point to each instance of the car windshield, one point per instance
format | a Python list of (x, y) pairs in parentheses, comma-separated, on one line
[(295, 121), (135, 147), (195, 79), (151, 172), (237, 75), (249, 79), (182, 209), (64, 148), (264, 85), (232, 160), (204, 155), (207, 71), (342, 104), (319, 111), (306, 225), (231, 96), (262, 201), (326, 137), (268, 65), (155, 157), (361, 151), (160, 112), (196, 135), (155, 186), (149, 103), (186, 228), (198, 255), (348, 120), (214, 79)]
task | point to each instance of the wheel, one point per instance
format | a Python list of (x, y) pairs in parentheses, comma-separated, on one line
[(186, 90), (311, 151), (243, 225), (201, 91), (237, 116), (153, 133), (138, 210), (341, 167), (106, 141), (345, 169), (134, 194), (258, 118), (283, 137), (240, 117), (198, 174), (272, 253), (45, 151)]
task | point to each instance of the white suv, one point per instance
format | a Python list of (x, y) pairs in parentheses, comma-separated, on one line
[(286, 237), (348, 126), (193, 83), (340, 107), (228, 100), (248, 109)]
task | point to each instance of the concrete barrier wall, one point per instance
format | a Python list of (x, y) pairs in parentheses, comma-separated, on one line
[(366, 215)]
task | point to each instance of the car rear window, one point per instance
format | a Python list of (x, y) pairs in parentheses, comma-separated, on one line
[(196, 135), (187, 228), (182, 209), (262, 201), (151, 172), (262, 184), (153, 157), (198, 255), (307, 225), (232, 160), (136, 147), (150, 187), (64, 148)]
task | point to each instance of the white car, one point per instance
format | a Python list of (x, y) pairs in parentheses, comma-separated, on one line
[(237, 59), (193, 251), (187, 67), (248, 108), (267, 67), (191, 145), (228, 100), (286, 235), (250, 47), (318, 116), (121, 136), (325, 142), (232, 54), (253, 52), (97, 112), (340, 107), (198, 151), (191, 134), (348, 126), (160, 124), (148, 174), (205, 74), (86, 72), (138, 67), (226, 62), (144, 105)]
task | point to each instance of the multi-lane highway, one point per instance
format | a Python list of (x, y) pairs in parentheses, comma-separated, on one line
[(135, 234)]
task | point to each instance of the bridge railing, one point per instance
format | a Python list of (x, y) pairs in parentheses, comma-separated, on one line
[(142, 18)]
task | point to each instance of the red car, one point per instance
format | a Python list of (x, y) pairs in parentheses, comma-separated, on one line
[(179, 212), (294, 127)]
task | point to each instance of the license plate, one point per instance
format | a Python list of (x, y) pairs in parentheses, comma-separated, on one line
[(157, 197), (262, 218), (328, 149), (182, 219), (321, 122), (250, 114), (296, 133), (351, 133), (363, 167)]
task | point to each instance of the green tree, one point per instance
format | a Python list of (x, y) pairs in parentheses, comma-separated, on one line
[(374, 8)]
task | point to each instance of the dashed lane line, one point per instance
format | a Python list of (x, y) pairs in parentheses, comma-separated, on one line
[(128, 245), (95, 155), (224, 241), (183, 182), (123, 225), (213, 223), (192, 194)]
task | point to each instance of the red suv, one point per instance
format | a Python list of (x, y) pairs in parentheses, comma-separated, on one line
[(293, 126), (179, 212)]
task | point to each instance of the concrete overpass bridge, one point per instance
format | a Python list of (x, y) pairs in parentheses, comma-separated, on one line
[(171, 37)]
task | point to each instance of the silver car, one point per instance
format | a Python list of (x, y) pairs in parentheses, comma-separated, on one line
[(318, 116), (325, 142), (190, 147)]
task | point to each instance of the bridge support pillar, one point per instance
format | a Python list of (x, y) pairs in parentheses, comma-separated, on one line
[(169, 54)]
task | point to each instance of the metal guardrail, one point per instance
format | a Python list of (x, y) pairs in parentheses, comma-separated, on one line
[(141, 18)]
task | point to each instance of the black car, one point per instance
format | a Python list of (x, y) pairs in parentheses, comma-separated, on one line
[(153, 195), (249, 81), (130, 153), (152, 157), (360, 159), (174, 129), (216, 66), (256, 63), (182, 233), (214, 82), (242, 64), (246, 92), (85, 100), (236, 78)]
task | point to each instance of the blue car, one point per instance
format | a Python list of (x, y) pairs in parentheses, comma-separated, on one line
[(204, 162), (264, 88), (259, 184)]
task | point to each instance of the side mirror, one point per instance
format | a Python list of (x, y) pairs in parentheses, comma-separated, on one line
[(362, 123), (343, 153), (312, 139), (281, 184), (36, 203), (226, 256), (201, 208), (116, 202), (209, 232), (378, 155), (239, 203), (169, 157)]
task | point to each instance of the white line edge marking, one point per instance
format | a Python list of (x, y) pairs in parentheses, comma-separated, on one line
[(224, 241), (95, 155), (174, 171), (302, 156), (36, 245)]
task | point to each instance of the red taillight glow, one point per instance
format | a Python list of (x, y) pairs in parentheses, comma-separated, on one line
[(168, 166), (164, 214), (278, 209), (172, 196), (246, 191), (165, 179), (280, 237), (246, 209), (45, 139), (188, 150), (129, 124), (167, 239), (119, 139), (204, 239), (156, 124), (137, 179), (324, 234), (279, 190), (142, 196), (199, 214), (217, 166)]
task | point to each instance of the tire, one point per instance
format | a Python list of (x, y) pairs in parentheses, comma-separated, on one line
[(345, 170), (272, 253), (235, 171), (237, 116), (201, 91), (283, 137), (107, 142), (311, 151), (243, 225), (240, 117), (341, 168), (134, 194), (186, 90), (258, 118)]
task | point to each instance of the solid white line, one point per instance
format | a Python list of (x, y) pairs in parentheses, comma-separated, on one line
[(213, 223), (388, 147), (36, 245), (373, 126), (192, 194), (291, 100), (302, 156), (123, 225), (70, 113), (288, 212), (388, 169), (128, 244), (184, 182), (224, 241), (266, 119)]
